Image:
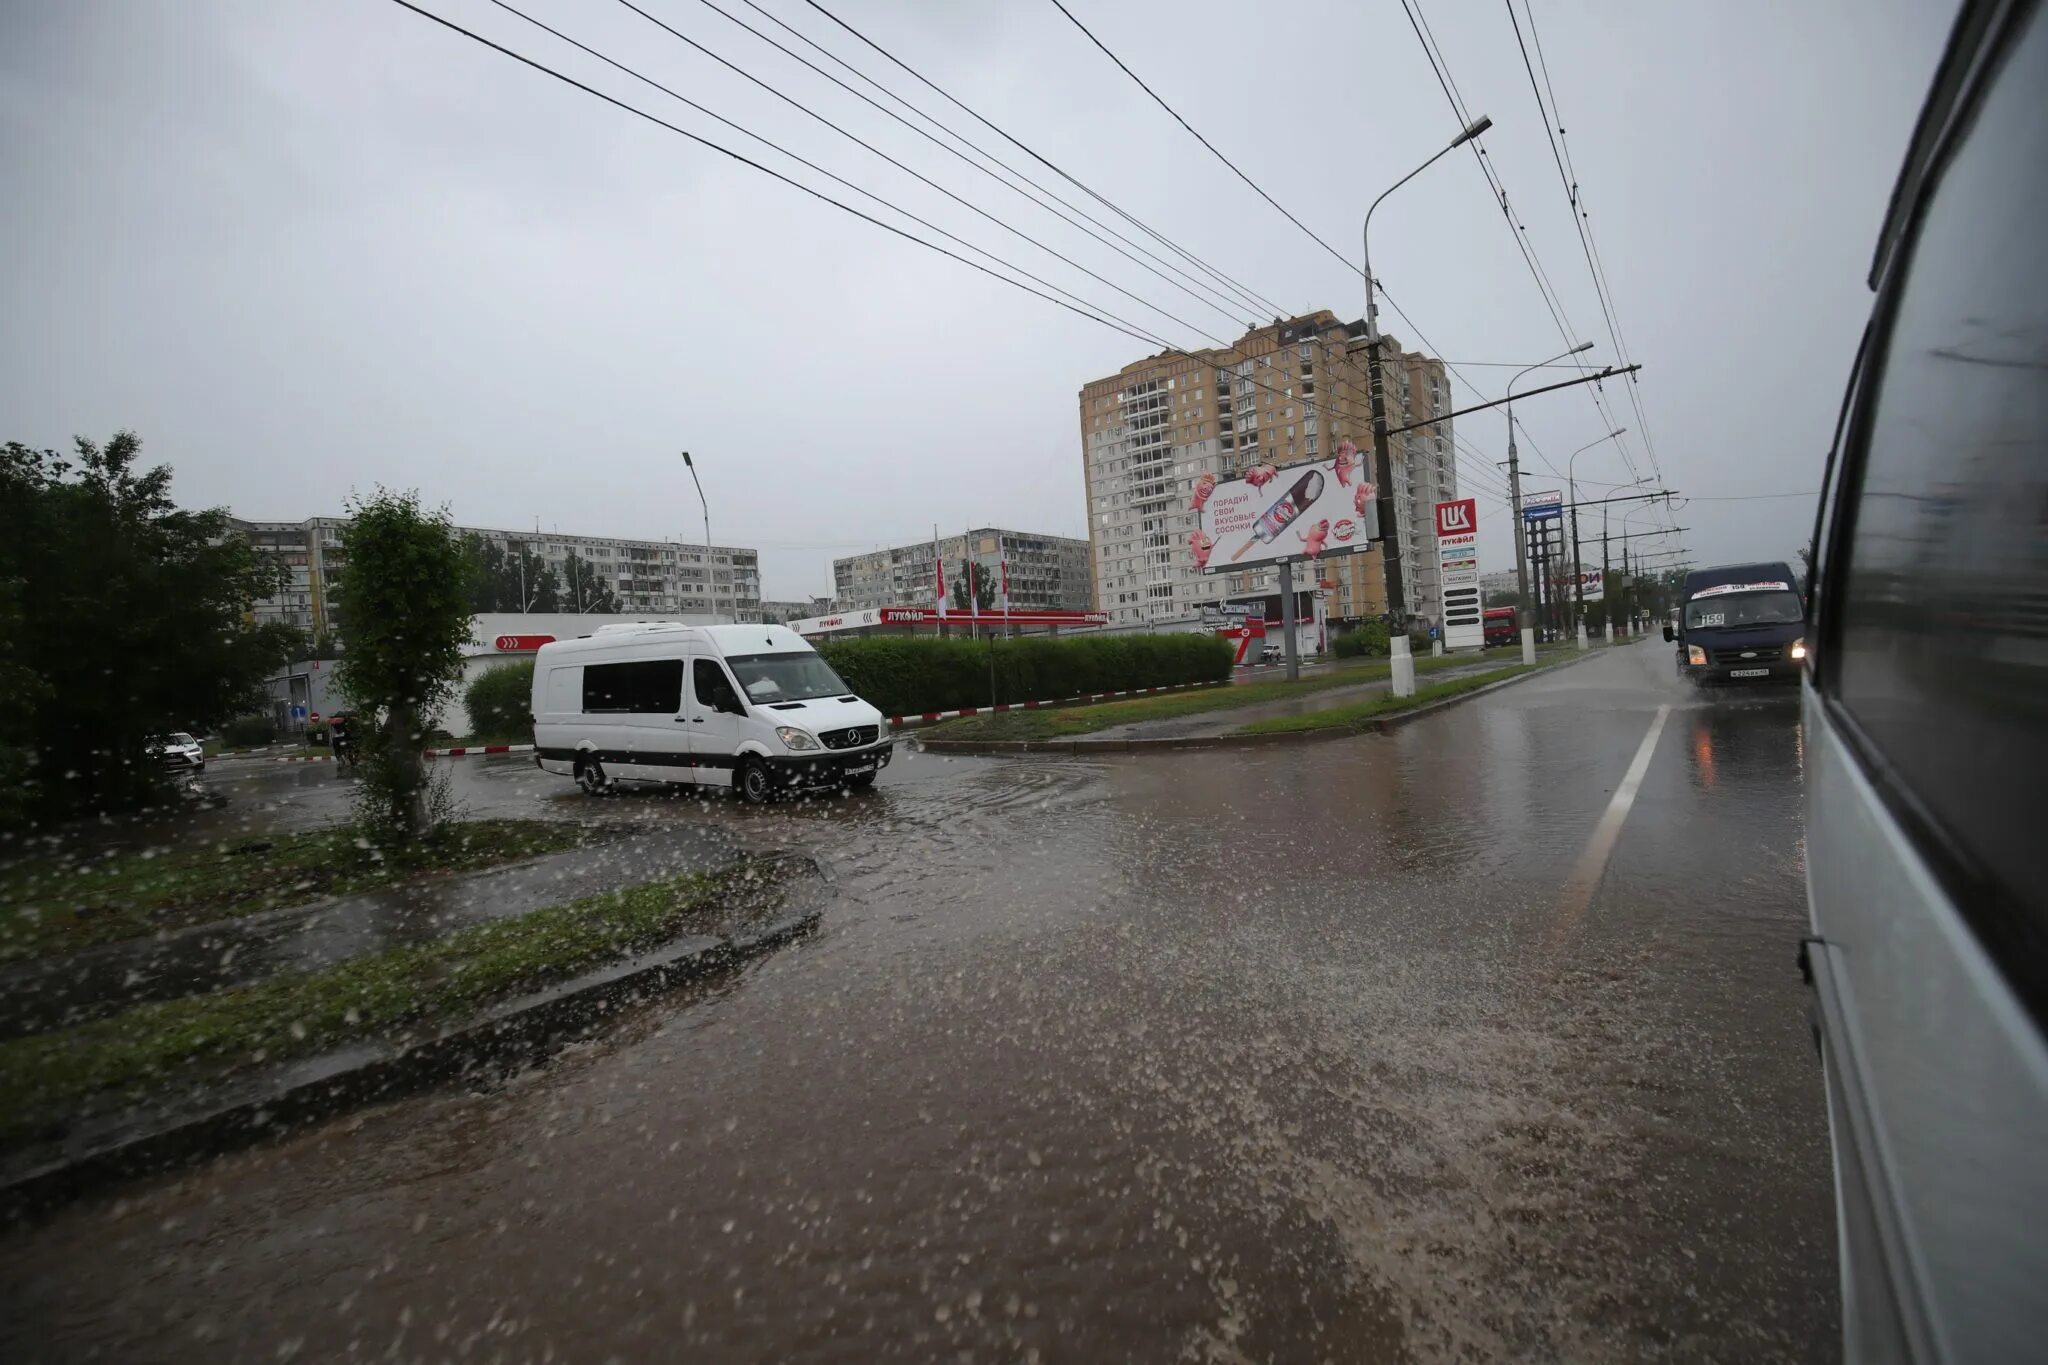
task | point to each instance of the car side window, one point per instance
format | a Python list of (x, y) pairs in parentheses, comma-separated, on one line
[(714, 689), (1939, 648)]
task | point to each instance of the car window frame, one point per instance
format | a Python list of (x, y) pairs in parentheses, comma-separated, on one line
[(1999, 921)]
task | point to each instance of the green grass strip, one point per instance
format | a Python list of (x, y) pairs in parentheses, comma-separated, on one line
[(57, 903), (165, 1044), (1061, 722), (1358, 715)]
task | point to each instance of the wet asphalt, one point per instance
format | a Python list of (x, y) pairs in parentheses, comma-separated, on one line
[(1314, 1053)]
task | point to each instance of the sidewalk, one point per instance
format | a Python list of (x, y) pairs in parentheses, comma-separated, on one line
[(55, 992)]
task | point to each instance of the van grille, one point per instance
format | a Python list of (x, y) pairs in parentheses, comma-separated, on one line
[(1759, 654), (850, 738)]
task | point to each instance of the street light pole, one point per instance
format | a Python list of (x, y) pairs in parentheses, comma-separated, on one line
[(1521, 528), (1402, 663), (710, 580), (1578, 569)]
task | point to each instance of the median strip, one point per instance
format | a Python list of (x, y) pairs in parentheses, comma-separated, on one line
[(395, 998)]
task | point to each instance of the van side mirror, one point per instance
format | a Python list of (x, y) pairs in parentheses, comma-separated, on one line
[(731, 704), (1669, 634)]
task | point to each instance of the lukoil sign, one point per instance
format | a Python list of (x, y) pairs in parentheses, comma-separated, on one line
[(1457, 539)]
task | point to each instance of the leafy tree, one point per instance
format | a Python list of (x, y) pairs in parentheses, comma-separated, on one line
[(583, 590), (407, 593), (486, 566), (137, 623), (986, 590), (324, 646)]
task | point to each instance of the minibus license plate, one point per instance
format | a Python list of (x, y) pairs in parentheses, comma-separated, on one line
[(864, 767), (1749, 672)]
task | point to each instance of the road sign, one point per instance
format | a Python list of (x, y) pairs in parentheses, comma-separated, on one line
[(1543, 506)]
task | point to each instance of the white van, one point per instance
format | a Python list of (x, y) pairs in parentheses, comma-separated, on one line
[(750, 707)]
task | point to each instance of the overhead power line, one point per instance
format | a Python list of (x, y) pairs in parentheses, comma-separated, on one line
[(1205, 141), (1258, 300), (747, 161), (1134, 329), (1517, 229), (949, 150), (1080, 307), (1582, 216)]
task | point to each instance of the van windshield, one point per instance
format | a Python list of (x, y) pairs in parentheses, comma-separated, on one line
[(769, 678), (1743, 609)]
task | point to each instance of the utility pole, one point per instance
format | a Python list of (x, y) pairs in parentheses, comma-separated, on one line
[(1522, 614), (1401, 663)]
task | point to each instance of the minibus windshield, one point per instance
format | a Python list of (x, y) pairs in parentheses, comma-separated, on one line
[(786, 677)]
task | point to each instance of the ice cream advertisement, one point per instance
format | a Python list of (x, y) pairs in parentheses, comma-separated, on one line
[(1267, 515)]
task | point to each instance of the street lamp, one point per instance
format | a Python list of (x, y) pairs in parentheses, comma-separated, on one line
[(1578, 570), (710, 581), (1522, 616), (1402, 664)]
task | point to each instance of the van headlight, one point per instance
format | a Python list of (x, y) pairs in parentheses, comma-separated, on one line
[(1798, 650), (1695, 655), (795, 738)]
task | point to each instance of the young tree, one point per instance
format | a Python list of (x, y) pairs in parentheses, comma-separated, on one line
[(986, 590), (131, 614), (407, 595), (583, 590)]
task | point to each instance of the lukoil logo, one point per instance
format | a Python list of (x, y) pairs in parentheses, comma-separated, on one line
[(1344, 530), (1457, 518)]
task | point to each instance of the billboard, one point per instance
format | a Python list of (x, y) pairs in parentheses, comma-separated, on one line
[(1312, 510), (1457, 548), (1543, 506), (1593, 583)]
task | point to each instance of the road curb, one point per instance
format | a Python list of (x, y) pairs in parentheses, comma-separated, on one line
[(499, 1042), (931, 717), (1378, 725), (466, 750)]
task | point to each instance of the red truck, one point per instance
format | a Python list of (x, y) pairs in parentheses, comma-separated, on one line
[(1499, 625)]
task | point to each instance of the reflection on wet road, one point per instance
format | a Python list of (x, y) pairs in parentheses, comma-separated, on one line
[(1278, 1054)]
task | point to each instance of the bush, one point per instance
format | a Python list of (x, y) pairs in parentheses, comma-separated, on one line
[(249, 732), (1367, 641), (500, 702), (907, 675)]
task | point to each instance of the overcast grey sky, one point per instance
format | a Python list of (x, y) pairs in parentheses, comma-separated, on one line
[(305, 248)]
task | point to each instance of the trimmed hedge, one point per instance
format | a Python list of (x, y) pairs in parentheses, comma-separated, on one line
[(248, 732), (908, 675), (500, 702)]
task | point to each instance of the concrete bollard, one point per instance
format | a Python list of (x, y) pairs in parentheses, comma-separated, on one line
[(1582, 635), (1402, 666), (1528, 645)]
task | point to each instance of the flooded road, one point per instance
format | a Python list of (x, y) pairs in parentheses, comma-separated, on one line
[(1301, 1053)]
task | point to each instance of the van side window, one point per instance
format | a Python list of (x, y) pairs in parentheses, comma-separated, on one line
[(1938, 656), (644, 687), (714, 689)]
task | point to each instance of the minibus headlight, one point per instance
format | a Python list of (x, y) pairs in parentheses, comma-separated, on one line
[(1798, 650), (1695, 655), (795, 738)]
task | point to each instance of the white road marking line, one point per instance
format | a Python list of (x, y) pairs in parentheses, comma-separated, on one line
[(1578, 889)]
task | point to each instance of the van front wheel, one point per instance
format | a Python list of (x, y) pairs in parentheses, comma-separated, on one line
[(752, 782)]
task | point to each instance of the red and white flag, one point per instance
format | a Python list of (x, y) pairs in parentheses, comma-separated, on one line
[(938, 578)]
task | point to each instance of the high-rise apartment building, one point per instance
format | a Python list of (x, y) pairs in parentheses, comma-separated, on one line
[(644, 576), (1287, 392), (1047, 573)]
